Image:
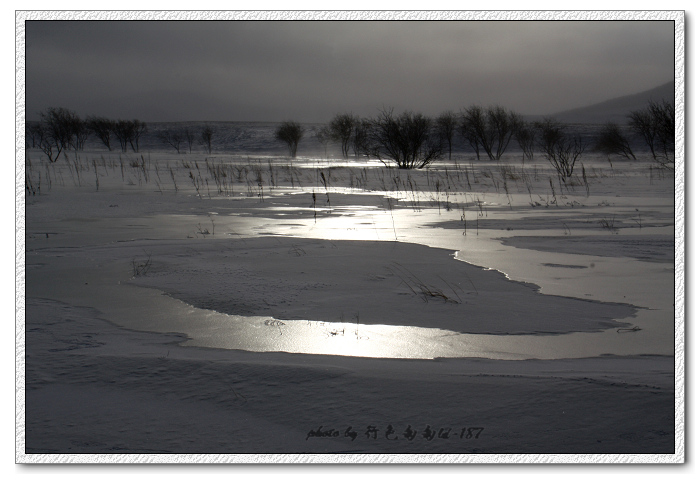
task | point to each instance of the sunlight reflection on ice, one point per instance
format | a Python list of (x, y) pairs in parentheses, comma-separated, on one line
[(346, 339), (266, 334)]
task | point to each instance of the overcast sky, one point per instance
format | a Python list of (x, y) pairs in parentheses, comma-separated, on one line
[(309, 71)]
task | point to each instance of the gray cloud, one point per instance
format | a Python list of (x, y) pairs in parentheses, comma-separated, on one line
[(245, 70)]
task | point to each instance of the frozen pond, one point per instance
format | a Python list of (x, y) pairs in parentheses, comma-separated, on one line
[(194, 242)]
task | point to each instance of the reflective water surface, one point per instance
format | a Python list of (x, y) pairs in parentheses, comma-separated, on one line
[(606, 279), (646, 285)]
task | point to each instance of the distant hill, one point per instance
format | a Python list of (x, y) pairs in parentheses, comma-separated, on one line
[(617, 109)]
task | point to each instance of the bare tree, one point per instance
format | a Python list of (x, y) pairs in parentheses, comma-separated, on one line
[(491, 129), (103, 128), (524, 136), (51, 150), (324, 136), (408, 140), (128, 133), (643, 124), (206, 137), (33, 134), (123, 132), (664, 115), (446, 125), (172, 138), (549, 133), (560, 149), (81, 131), (611, 141), (656, 125), (189, 137), (47, 143), (139, 128), (360, 136), (341, 130), (472, 125), (290, 133), (55, 131), (501, 125)]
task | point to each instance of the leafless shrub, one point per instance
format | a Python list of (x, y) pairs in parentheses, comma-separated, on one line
[(656, 125), (489, 128), (341, 129), (611, 141), (290, 133), (406, 140), (560, 149)]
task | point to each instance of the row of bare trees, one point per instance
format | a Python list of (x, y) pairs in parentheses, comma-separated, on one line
[(407, 140), (60, 129), (654, 124), (183, 139), (411, 140)]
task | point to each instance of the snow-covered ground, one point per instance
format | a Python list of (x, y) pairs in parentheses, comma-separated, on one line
[(253, 305)]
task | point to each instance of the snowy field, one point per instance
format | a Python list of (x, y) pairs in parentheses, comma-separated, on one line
[(253, 304)]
